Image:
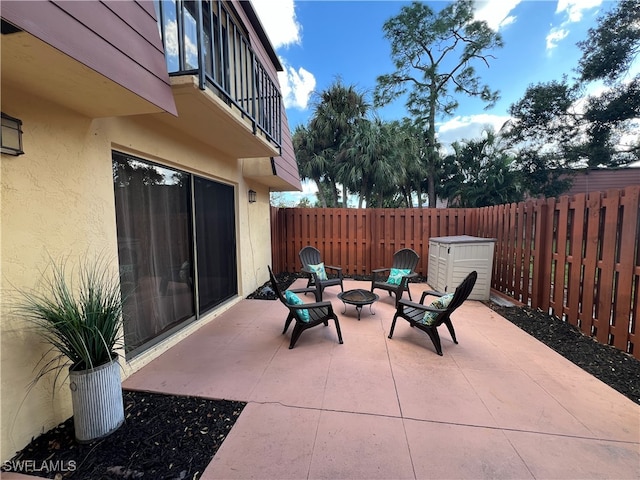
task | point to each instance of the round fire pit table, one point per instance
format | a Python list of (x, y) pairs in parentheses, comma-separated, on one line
[(358, 298)]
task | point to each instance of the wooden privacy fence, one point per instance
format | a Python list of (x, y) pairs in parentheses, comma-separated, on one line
[(359, 240), (574, 257)]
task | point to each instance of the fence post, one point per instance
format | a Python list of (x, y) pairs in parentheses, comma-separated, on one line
[(541, 255)]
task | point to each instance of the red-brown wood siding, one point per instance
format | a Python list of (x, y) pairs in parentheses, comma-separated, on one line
[(119, 40), (602, 180), (286, 165)]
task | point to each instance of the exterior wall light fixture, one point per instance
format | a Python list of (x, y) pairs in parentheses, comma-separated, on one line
[(252, 196), (11, 136)]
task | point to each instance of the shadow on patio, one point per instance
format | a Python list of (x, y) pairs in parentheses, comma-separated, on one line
[(498, 405)]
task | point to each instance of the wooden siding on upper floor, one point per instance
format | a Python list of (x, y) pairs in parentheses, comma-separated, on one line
[(286, 165), (120, 40), (117, 39)]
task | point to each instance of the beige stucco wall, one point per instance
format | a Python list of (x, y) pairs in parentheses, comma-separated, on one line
[(57, 199)]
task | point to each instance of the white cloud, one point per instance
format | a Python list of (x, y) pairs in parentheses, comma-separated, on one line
[(296, 86), (171, 38), (555, 36), (278, 17), (468, 127), (574, 9), (496, 12), (293, 198)]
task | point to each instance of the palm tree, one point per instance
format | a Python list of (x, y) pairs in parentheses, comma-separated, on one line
[(481, 173), (388, 171), (370, 162), (311, 165), (338, 110)]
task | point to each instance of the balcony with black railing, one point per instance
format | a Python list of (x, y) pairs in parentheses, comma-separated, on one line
[(204, 41)]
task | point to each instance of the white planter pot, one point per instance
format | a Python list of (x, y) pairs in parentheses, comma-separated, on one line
[(96, 395)]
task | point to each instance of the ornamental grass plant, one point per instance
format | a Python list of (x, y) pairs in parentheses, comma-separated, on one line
[(78, 311)]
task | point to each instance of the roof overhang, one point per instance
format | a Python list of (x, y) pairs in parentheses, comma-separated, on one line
[(33, 66), (263, 171)]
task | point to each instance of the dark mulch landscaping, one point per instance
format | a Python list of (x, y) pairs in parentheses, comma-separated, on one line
[(174, 437), (163, 437)]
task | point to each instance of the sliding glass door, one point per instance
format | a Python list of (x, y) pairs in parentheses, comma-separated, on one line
[(216, 241), (176, 247)]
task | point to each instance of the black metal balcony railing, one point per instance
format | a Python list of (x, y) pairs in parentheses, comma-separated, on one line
[(202, 38)]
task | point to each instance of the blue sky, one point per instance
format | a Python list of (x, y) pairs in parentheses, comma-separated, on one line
[(318, 41)]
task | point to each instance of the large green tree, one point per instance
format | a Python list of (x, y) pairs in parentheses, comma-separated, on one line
[(435, 56), (546, 120), (558, 126), (608, 54), (612, 46)]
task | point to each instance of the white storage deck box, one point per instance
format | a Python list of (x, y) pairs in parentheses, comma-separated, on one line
[(451, 259)]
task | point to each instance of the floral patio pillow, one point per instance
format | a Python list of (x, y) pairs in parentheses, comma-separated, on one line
[(396, 274), (319, 271)]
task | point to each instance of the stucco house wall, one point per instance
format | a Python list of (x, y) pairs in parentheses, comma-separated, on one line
[(57, 200)]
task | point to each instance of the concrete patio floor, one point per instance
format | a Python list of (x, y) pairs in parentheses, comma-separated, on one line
[(500, 404)]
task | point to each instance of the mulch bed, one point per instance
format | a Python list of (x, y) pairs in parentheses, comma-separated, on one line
[(176, 437), (163, 437)]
